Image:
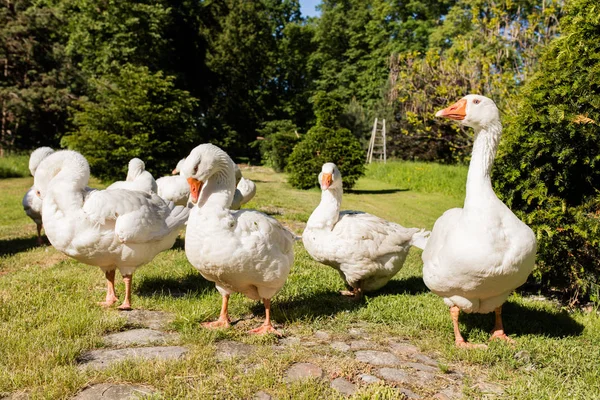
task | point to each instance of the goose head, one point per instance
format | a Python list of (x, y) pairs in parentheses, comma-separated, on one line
[(37, 156), (179, 167), (65, 167), (204, 162), (136, 167), (330, 177), (473, 110)]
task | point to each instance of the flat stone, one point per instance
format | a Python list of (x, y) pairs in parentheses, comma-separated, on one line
[(262, 396), (424, 378), (368, 379), (357, 332), (441, 396), (410, 394), (139, 337), (100, 359), (421, 367), (450, 393), (322, 335), (343, 386), (340, 346), (289, 341), (228, 349), (362, 345), (300, 371), (150, 319), (490, 388), (109, 391), (309, 344), (402, 348), (422, 358), (394, 375), (375, 357)]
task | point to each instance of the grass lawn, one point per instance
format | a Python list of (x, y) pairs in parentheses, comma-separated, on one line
[(49, 317)]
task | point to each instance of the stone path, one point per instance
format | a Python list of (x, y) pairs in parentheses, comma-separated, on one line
[(393, 362)]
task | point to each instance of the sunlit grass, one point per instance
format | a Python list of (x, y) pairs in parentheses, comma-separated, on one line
[(49, 317)]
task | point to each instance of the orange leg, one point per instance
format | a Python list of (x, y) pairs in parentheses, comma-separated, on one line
[(498, 331), (223, 321), (111, 298), (458, 339), (127, 302), (266, 327)]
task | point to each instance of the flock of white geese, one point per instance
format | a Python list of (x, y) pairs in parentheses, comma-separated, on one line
[(474, 257)]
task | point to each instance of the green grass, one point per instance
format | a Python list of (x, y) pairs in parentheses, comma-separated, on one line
[(49, 317), (422, 177), (14, 166)]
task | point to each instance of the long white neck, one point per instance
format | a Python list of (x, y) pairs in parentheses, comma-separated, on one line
[(68, 178), (479, 184), (219, 188), (326, 215)]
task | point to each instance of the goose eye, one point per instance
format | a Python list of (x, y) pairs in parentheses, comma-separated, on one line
[(476, 101), (195, 169)]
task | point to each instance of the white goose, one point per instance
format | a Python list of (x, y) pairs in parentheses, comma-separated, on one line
[(174, 188), (366, 250), (244, 191), (32, 204), (111, 229), (137, 178), (477, 255), (241, 251)]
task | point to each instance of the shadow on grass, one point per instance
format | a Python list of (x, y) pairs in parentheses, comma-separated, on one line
[(310, 306), (179, 244), (411, 285), (192, 282), (521, 320), (382, 191), (17, 245)]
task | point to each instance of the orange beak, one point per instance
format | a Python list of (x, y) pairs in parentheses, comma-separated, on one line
[(195, 188), (457, 111), (174, 172), (326, 180)]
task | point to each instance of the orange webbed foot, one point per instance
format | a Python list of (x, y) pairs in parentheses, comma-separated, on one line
[(220, 323), (500, 335), (264, 330), (462, 344), (108, 302)]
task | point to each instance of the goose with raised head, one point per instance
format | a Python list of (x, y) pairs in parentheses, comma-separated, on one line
[(245, 190), (366, 250), (112, 229), (242, 251), (477, 255), (32, 204), (137, 178), (174, 188)]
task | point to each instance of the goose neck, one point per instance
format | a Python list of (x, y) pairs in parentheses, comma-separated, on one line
[(327, 213), (219, 189), (479, 185)]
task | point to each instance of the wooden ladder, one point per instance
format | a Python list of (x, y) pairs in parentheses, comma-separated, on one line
[(377, 142)]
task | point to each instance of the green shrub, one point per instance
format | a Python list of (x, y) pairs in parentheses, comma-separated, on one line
[(135, 113), (548, 167), (323, 145), (279, 139)]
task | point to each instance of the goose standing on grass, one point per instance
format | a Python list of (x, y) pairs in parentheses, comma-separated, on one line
[(366, 250), (137, 178), (174, 188), (244, 191), (111, 229), (477, 255), (242, 251), (32, 204)]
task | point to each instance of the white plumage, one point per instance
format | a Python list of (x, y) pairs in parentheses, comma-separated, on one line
[(241, 251), (366, 250), (476, 256), (112, 229), (174, 188), (244, 191), (32, 204), (137, 178)]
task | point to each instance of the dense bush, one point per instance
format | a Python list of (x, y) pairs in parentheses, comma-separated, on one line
[(548, 169), (278, 140), (323, 145), (135, 113)]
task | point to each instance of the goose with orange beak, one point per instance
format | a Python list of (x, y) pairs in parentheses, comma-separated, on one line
[(477, 255), (241, 251), (366, 250)]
